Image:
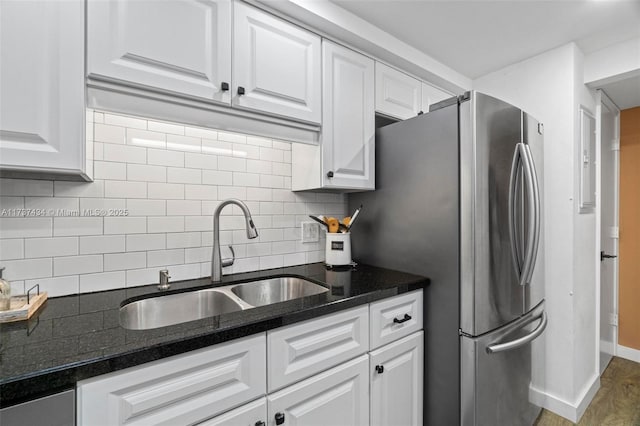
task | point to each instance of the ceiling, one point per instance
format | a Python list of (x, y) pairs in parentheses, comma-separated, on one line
[(475, 37), (626, 93)]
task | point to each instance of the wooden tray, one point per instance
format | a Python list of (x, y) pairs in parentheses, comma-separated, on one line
[(23, 307)]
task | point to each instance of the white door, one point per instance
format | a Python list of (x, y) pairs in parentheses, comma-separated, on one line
[(397, 94), (180, 46), (251, 414), (42, 86), (348, 128), (337, 397), (432, 95), (609, 146), (396, 382), (276, 66)]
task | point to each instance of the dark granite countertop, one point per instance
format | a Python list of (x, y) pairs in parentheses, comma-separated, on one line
[(76, 337)]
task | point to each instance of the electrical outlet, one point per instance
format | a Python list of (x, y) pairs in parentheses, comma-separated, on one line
[(310, 232)]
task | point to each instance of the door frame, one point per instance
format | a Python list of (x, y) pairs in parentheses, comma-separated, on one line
[(603, 101)]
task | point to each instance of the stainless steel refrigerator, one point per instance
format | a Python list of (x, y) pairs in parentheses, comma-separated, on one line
[(459, 199)]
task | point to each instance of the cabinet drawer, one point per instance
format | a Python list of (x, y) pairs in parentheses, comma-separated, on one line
[(337, 397), (184, 389), (394, 318), (249, 414), (304, 349)]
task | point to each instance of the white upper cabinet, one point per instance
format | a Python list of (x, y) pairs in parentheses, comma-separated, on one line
[(42, 88), (397, 94), (177, 46), (276, 66), (348, 131), (432, 95)]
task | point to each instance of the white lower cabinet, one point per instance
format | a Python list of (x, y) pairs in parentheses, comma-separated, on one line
[(251, 414), (339, 396), (397, 377), (180, 390)]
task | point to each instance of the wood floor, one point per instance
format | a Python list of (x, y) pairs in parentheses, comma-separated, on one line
[(617, 402)]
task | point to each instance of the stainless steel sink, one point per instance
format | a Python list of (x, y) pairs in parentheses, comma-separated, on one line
[(274, 290), (172, 309), (176, 308)]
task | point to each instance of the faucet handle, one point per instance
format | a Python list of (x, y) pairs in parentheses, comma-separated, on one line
[(164, 280), (229, 262)]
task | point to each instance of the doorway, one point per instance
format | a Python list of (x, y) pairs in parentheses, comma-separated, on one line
[(608, 142)]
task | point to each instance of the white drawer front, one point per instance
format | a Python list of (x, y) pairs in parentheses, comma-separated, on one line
[(394, 318), (184, 389), (304, 349), (249, 414)]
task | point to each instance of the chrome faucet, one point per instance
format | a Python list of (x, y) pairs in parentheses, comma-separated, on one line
[(164, 280), (216, 258)]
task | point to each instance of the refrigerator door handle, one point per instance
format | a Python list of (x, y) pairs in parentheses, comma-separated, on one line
[(516, 254), (529, 258), (535, 226), (513, 344)]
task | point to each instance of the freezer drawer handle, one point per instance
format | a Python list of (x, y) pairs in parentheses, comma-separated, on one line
[(500, 347), (406, 318)]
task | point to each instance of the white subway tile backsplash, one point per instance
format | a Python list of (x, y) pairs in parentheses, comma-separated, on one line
[(125, 225), (109, 170), (183, 175), (143, 242), (124, 261), (124, 154), (94, 189), (102, 244), (165, 224), (21, 187), (108, 134), (103, 281), (123, 121), (165, 257), (12, 249), (25, 227), (146, 207), (75, 265), (157, 185), (163, 157), (125, 189), (58, 286), (146, 173), (50, 247), (166, 191)]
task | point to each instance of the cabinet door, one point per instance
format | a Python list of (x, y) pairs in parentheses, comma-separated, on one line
[(348, 128), (184, 389), (336, 397), (42, 86), (181, 46), (397, 94), (277, 64), (396, 382), (250, 414), (432, 95)]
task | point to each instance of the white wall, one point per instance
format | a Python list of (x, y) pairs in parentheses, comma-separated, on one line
[(613, 63), (546, 86), (168, 179)]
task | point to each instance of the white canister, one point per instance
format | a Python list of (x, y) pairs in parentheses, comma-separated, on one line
[(338, 249)]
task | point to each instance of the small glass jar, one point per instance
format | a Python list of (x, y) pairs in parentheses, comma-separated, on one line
[(5, 293)]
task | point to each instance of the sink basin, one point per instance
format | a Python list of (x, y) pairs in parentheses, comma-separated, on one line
[(274, 290), (171, 309), (176, 308)]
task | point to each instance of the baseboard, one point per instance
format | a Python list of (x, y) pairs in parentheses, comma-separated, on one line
[(628, 353), (607, 347), (570, 411)]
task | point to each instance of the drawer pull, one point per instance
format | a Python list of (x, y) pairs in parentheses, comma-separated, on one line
[(406, 318), (260, 423), (279, 418), (379, 369)]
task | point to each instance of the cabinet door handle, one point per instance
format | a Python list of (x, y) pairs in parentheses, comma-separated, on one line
[(224, 86), (420, 112), (260, 423), (279, 418), (330, 174), (240, 90), (406, 318), (379, 369)]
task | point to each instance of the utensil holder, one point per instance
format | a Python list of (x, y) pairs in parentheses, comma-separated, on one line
[(338, 249)]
